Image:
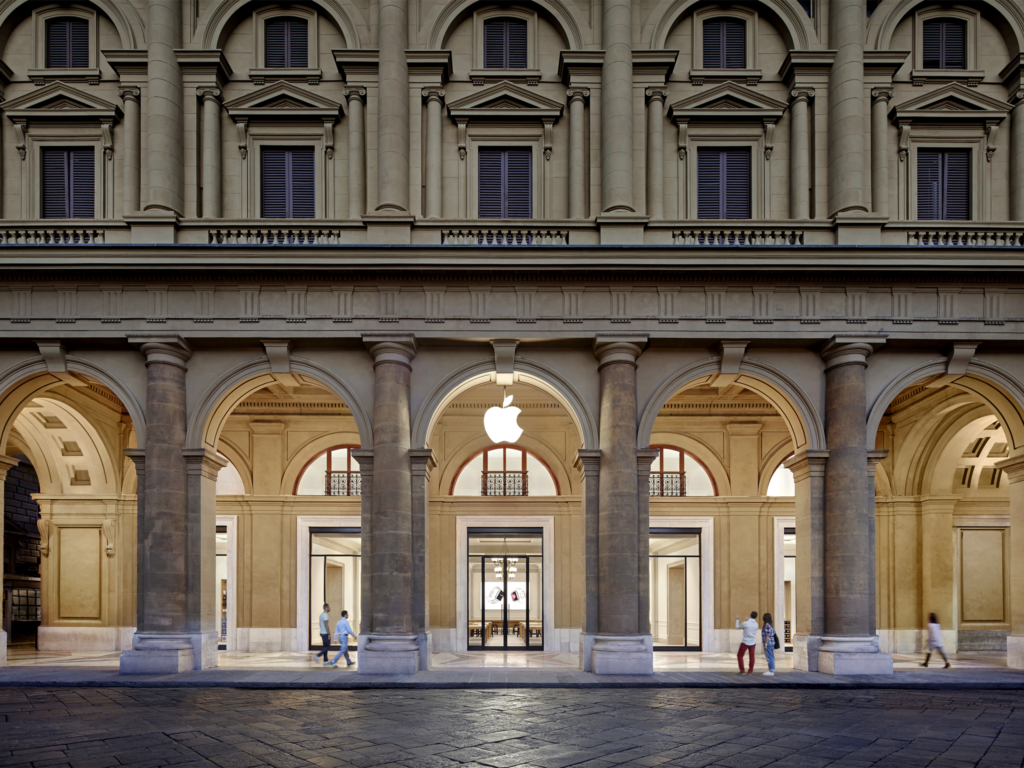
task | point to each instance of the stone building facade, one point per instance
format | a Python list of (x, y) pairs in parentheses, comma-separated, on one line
[(749, 269)]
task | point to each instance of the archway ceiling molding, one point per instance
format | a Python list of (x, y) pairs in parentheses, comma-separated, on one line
[(477, 373), (445, 17), (24, 381), (935, 476), (988, 382), (238, 460), (124, 16), (785, 395), (207, 419), (215, 23), (797, 25), (889, 13)]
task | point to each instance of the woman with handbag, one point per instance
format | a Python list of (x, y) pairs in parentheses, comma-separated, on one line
[(770, 641)]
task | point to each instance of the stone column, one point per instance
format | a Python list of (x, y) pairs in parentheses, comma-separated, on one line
[(393, 114), (365, 458), (435, 100), (850, 645), (656, 152), (617, 108), (577, 153), (880, 150), (132, 149), (620, 647), (163, 641), (808, 468), (588, 464), (211, 153), (201, 468), (6, 462), (356, 153), (422, 464), (644, 458), (395, 647), (846, 107), (1017, 159), (138, 457), (165, 109), (1014, 470), (799, 156)]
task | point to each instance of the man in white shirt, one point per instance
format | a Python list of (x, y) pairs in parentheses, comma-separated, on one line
[(748, 642), (325, 634), (342, 632)]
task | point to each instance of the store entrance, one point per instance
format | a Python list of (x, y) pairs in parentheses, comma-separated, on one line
[(506, 577), (675, 589)]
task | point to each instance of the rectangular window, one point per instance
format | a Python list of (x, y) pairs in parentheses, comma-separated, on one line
[(504, 44), (289, 183), (287, 43), (506, 188), (67, 44), (725, 44), (944, 184), (945, 44), (69, 189), (723, 183)]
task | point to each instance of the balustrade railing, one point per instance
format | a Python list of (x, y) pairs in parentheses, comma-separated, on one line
[(504, 484), (961, 237), (344, 484), (739, 235), (271, 235), (51, 235), (506, 236), (668, 484)]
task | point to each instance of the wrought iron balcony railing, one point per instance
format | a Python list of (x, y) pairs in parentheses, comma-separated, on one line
[(344, 484), (668, 484), (504, 484)]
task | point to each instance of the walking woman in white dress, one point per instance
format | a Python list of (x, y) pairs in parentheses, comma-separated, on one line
[(935, 641)]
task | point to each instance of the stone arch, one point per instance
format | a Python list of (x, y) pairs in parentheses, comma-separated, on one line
[(791, 402), (986, 381), (890, 13), (125, 18), (207, 419), (562, 474), (25, 381), (309, 451), (794, 25), (445, 17), (771, 465), (481, 372), (240, 463), (222, 16)]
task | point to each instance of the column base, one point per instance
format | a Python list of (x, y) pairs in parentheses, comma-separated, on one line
[(617, 654), (805, 652), (158, 655), (1015, 652), (393, 654), (853, 656)]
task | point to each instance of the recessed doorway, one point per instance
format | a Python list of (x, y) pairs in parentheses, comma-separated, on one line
[(676, 616), (505, 597)]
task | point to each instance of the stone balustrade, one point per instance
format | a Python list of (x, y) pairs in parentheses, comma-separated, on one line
[(504, 236), (737, 235), (50, 234), (961, 236), (288, 234)]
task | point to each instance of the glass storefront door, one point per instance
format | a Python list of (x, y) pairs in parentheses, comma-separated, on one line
[(334, 578), (789, 585), (222, 588), (506, 578), (675, 589)]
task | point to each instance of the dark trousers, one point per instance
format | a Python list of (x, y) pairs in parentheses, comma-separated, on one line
[(930, 651), (748, 649), (326, 651)]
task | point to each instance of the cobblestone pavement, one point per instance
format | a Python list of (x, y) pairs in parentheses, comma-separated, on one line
[(98, 728)]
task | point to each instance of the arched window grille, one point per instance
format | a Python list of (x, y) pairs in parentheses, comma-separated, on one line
[(505, 470), (335, 472), (678, 473)]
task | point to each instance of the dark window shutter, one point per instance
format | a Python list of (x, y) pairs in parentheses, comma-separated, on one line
[(303, 183), (276, 43), (274, 180), (69, 190), (737, 184), (298, 43), (713, 58), (725, 44), (735, 44), (944, 44), (494, 44), (67, 44), (518, 190), (723, 183), (490, 186), (943, 185), (516, 44), (82, 182), (709, 184)]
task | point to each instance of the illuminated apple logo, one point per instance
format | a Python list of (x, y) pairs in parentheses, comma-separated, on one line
[(500, 423)]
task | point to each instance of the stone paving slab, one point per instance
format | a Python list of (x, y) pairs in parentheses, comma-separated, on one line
[(339, 679)]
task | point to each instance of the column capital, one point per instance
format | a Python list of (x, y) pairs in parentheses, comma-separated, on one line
[(162, 348), (423, 461), (207, 93), (884, 93), (588, 463), (619, 349), (433, 93), (849, 350), (138, 457), (657, 93), (801, 94), (6, 463), (644, 458), (874, 459), (807, 464), (355, 93), (1013, 468), (203, 461), (131, 93), (391, 348), (577, 92)]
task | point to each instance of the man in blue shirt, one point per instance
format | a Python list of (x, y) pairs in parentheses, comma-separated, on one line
[(325, 634), (342, 632)]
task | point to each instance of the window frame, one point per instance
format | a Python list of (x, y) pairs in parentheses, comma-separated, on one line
[(260, 136), (970, 74), (683, 453), (971, 159), (502, 137), (317, 455), (517, 446), (259, 164), (503, 152), (730, 137), (750, 180), (479, 74), (979, 180), (260, 73), (32, 178), (751, 74), (86, 150), (40, 74)]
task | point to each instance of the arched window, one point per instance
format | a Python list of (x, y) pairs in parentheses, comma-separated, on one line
[(287, 43), (782, 483), (678, 473), (505, 471), (229, 482), (332, 473), (505, 43), (67, 43)]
